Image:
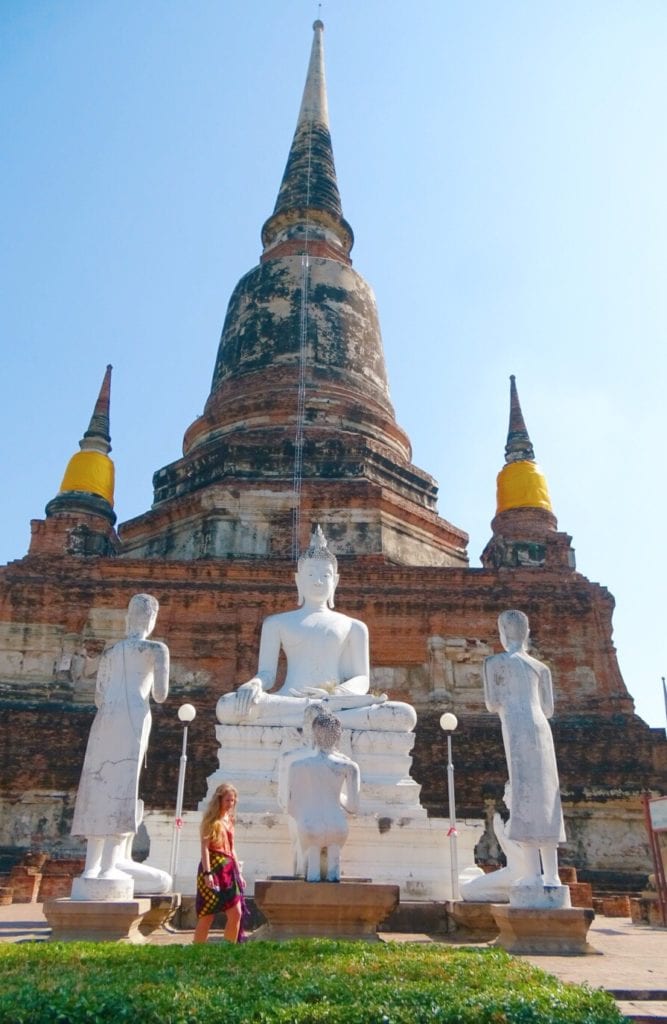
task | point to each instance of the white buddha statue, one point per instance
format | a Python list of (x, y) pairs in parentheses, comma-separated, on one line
[(327, 660), (518, 688), (108, 811)]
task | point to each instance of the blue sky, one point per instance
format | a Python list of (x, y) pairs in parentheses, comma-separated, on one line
[(504, 168)]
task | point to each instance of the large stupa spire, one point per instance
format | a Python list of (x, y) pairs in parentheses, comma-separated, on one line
[(299, 424), (308, 210)]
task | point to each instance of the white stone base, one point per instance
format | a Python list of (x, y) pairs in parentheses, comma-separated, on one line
[(391, 841), (413, 853), (102, 889), (249, 757), (535, 896)]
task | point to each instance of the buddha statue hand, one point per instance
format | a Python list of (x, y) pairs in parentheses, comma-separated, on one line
[(315, 692), (341, 701), (247, 695)]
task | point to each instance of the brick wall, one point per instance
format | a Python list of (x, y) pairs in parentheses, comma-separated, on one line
[(210, 616)]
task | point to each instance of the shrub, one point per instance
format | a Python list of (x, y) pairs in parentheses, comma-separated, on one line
[(300, 982)]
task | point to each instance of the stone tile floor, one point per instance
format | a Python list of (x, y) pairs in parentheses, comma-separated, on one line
[(631, 963)]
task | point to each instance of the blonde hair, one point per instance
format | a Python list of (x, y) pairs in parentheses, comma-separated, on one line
[(211, 826)]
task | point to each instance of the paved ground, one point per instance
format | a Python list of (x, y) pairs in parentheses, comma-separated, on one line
[(631, 961)]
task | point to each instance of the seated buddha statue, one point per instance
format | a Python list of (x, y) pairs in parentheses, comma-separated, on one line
[(327, 660)]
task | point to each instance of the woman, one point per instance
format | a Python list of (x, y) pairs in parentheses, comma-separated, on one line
[(219, 882)]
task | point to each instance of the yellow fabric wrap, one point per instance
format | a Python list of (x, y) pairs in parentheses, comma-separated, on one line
[(522, 485), (90, 472)]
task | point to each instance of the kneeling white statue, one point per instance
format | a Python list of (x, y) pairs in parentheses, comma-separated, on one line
[(317, 803), (108, 811), (327, 660)]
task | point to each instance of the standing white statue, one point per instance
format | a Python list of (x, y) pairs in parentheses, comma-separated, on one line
[(316, 800), (108, 809), (518, 687), (327, 659)]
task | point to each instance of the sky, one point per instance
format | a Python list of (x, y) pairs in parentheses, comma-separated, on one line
[(504, 168)]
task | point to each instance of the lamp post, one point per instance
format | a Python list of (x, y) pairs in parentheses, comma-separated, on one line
[(186, 714), (448, 723)]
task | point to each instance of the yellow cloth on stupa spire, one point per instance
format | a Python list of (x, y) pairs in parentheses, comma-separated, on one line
[(522, 485), (90, 472)]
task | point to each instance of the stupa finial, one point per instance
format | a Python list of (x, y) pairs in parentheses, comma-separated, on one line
[(97, 437), (519, 447)]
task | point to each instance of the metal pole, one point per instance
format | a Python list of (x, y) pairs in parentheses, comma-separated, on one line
[(178, 821), (452, 821)]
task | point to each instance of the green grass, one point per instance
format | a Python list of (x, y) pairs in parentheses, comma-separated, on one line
[(305, 982)]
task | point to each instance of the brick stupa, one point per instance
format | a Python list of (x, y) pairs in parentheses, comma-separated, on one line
[(299, 427)]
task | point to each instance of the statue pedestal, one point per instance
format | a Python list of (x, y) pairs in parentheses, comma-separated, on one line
[(328, 910), (98, 890), (96, 920), (475, 919), (392, 837), (163, 908), (543, 932), (536, 896)]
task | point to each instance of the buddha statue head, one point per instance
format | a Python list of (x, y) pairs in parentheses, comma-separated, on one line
[(327, 731), (141, 615), (514, 629), (317, 571)]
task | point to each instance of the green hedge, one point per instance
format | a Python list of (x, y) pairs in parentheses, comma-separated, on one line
[(305, 982)]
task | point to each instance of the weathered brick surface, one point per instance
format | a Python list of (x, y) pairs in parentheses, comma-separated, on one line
[(581, 894), (55, 887), (24, 884), (57, 878), (615, 906), (45, 748)]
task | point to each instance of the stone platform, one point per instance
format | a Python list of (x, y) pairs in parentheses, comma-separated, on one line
[(529, 931), (97, 920), (473, 919), (331, 910)]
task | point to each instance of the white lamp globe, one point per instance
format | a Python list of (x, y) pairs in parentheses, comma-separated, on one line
[(187, 712), (448, 721)]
